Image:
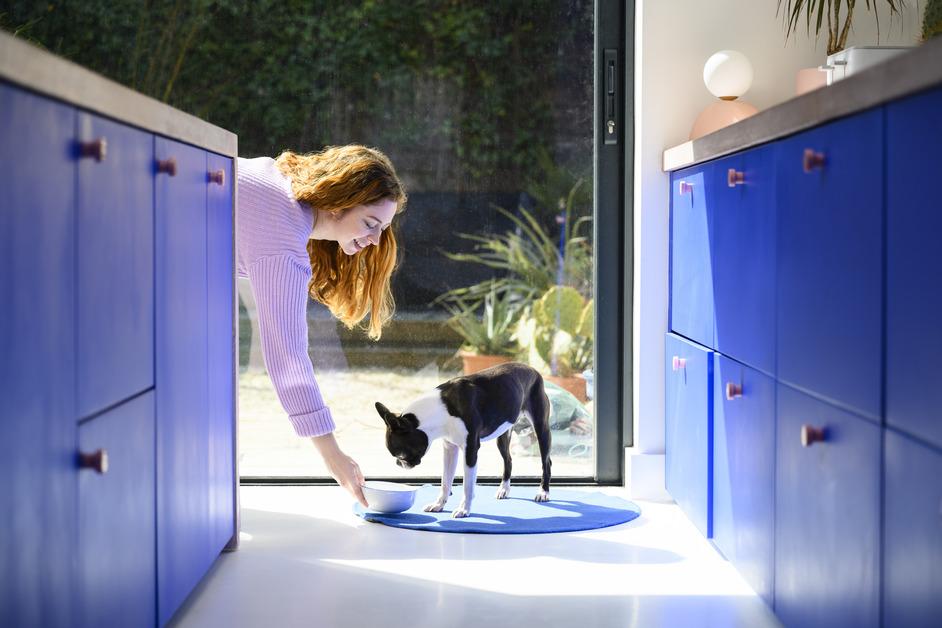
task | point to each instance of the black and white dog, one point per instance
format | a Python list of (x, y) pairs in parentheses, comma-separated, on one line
[(464, 412)]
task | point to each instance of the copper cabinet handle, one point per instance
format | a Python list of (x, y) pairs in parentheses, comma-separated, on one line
[(812, 160), (686, 188), (168, 166), (97, 149), (97, 461), (218, 177), (811, 435), (678, 363), (733, 391), (735, 177)]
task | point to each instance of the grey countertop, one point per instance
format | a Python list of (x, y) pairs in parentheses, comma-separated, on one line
[(26, 65), (913, 71)]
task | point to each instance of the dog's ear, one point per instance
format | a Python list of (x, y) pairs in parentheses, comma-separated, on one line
[(384, 412)]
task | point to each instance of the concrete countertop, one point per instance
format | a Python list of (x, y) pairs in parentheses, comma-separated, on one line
[(910, 72), (33, 68)]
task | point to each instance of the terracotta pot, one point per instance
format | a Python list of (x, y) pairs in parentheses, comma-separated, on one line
[(473, 362), (574, 384)]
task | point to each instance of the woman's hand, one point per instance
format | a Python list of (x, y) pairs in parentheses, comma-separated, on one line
[(340, 466)]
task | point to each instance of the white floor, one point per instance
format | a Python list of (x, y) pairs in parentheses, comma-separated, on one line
[(307, 560)]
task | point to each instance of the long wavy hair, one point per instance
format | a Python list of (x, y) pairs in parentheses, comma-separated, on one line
[(336, 179)]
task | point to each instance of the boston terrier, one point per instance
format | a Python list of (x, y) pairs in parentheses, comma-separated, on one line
[(464, 412)]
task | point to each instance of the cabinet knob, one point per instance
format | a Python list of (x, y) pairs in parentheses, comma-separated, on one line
[(97, 149), (735, 177), (811, 435), (686, 188), (733, 391), (678, 363), (812, 160), (168, 166), (97, 461), (218, 177)]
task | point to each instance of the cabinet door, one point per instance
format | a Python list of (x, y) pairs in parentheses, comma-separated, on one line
[(827, 515), (912, 576), (691, 298), (743, 256), (184, 528), (115, 265), (913, 267), (744, 470), (37, 360), (688, 427), (117, 559), (222, 346), (830, 261)]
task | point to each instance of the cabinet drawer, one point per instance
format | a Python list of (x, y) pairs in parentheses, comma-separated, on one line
[(827, 515), (688, 427), (115, 271), (829, 269), (744, 470), (117, 536), (743, 257), (912, 575), (691, 283), (914, 292)]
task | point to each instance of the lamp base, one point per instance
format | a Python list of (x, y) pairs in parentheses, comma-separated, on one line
[(720, 114)]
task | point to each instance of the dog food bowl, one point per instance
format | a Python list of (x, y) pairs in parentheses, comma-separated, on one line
[(388, 496)]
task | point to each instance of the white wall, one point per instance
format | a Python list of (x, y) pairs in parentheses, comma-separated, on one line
[(673, 40)]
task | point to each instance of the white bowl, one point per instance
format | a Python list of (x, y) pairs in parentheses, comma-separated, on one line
[(388, 496)]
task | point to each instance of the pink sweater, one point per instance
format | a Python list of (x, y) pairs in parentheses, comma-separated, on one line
[(271, 235)]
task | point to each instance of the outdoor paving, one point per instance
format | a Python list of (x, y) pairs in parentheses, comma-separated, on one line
[(268, 445)]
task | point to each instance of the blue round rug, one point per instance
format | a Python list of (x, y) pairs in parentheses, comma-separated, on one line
[(567, 511)]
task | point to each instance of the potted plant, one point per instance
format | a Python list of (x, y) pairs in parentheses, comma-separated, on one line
[(557, 335), (529, 259), (839, 15), (819, 11), (487, 329)]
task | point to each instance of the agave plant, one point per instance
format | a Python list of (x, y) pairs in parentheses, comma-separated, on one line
[(818, 11), (491, 331), (557, 332), (531, 260)]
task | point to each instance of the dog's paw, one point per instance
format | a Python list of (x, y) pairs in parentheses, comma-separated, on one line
[(434, 507), (541, 496), (460, 513), (503, 492)]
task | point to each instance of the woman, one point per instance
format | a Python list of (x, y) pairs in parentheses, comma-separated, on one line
[(316, 225)]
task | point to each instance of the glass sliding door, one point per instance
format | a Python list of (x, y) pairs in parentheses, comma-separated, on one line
[(488, 111)]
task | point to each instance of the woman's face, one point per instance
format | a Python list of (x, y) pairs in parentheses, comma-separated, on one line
[(362, 226)]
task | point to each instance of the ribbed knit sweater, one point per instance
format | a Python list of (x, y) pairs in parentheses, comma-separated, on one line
[(271, 238)]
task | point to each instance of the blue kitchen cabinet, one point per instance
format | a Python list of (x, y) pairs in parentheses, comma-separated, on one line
[(691, 275), (912, 537), (744, 470), (184, 528), (688, 429), (914, 267), (117, 562), (827, 514), (222, 346), (115, 257), (742, 206), (37, 360), (829, 183)]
